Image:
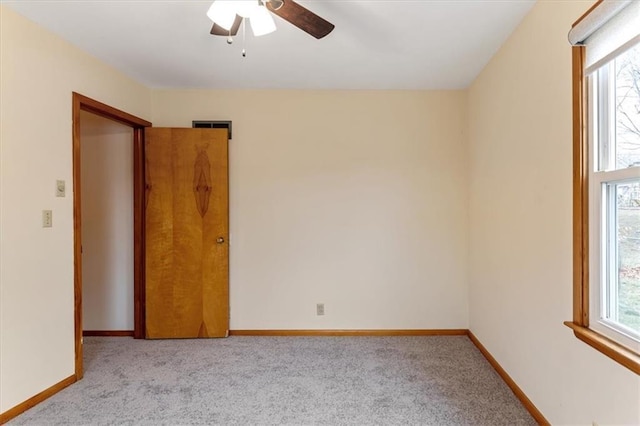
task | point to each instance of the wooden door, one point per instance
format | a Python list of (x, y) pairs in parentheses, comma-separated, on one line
[(187, 233)]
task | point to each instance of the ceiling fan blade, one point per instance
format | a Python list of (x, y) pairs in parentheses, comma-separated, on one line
[(218, 30), (302, 18)]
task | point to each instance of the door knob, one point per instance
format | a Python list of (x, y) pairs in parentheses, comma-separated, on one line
[(220, 240)]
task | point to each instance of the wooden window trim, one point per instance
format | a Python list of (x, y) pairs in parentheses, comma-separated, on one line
[(621, 354), (580, 324)]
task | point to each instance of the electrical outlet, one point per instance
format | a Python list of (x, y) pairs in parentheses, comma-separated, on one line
[(47, 218), (320, 309), (60, 188)]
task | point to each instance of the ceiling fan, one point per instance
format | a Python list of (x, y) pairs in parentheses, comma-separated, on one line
[(227, 23)]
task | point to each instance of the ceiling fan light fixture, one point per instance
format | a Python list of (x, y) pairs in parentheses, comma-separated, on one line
[(258, 12), (222, 12), (261, 22), (245, 8)]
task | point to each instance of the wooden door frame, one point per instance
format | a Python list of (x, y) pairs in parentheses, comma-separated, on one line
[(83, 103)]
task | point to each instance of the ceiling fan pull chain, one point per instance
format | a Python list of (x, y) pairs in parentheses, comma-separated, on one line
[(244, 37)]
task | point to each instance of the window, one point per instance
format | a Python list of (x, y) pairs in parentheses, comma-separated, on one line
[(614, 190), (606, 73)]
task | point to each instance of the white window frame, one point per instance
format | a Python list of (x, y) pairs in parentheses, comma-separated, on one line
[(602, 180)]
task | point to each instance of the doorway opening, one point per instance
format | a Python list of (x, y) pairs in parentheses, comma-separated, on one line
[(83, 103), (107, 226)]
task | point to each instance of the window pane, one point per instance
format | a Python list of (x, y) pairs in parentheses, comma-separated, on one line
[(628, 250), (627, 74)]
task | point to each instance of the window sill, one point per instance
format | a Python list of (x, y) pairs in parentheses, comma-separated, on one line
[(615, 351)]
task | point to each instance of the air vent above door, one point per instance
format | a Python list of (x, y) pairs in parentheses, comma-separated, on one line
[(207, 124)]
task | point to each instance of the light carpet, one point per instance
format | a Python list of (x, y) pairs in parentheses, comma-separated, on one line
[(439, 380)]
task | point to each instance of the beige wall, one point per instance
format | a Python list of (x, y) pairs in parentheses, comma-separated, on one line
[(39, 72), (107, 224), (353, 199), (360, 200), (520, 223)]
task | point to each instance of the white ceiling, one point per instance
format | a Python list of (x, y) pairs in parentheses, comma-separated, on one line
[(377, 44)]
